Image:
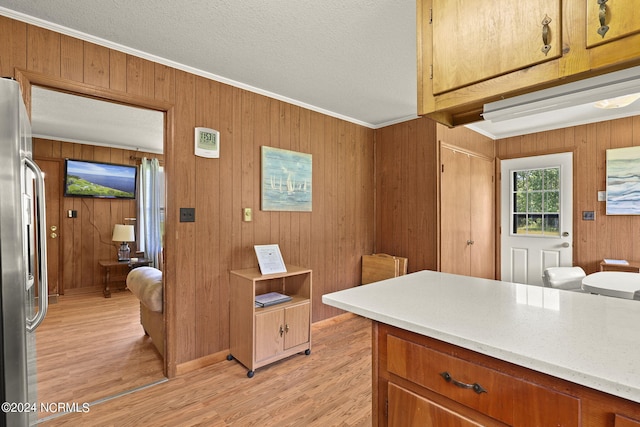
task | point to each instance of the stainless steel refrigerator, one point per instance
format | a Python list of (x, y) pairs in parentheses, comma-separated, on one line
[(23, 299)]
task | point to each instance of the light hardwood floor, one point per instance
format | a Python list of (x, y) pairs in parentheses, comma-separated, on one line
[(90, 347), (330, 387)]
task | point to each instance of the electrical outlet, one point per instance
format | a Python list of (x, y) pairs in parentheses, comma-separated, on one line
[(187, 214)]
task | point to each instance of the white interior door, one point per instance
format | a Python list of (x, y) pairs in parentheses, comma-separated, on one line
[(536, 216)]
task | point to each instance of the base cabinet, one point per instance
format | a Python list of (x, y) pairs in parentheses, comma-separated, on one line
[(419, 381), (280, 330), (410, 409), (622, 421), (263, 335)]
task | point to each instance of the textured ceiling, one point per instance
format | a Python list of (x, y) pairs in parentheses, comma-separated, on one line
[(351, 59)]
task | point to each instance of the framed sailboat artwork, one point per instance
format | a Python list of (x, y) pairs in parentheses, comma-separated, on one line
[(285, 180)]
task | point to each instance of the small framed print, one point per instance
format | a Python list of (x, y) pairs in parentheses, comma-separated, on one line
[(270, 259), (207, 143)]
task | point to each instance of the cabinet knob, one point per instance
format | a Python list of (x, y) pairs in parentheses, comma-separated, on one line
[(281, 330), (286, 328)]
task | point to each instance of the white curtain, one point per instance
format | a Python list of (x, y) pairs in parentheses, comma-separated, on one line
[(151, 210)]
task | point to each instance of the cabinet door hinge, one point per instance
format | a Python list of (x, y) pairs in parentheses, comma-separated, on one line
[(442, 168), (431, 16), (431, 72), (386, 408)]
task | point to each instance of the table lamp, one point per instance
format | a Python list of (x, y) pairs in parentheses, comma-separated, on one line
[(123, 233)]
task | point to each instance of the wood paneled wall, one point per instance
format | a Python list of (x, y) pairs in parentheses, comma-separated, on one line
[(467, 140), (85, 240), (330, 240), (609, 236), (407, 187), (406, 193)]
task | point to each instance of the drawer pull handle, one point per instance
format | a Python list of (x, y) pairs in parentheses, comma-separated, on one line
[(475, 386)]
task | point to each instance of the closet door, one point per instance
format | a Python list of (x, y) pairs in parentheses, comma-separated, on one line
[(467, 214), (455, 212), (482, 204)]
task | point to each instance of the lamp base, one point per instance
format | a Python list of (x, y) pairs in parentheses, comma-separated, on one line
[(124, 253)]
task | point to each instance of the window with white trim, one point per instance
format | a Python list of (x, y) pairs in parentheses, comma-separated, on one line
[(535, 195)]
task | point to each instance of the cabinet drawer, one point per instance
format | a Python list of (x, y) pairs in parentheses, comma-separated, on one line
[(493, 394), (499, 395)]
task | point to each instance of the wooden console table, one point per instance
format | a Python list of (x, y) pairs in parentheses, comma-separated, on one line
[(107, 265), (632, 266)]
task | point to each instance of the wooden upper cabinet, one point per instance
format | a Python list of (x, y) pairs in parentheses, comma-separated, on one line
[(474, 40), (620, 19), (470, 53), (621, 41)]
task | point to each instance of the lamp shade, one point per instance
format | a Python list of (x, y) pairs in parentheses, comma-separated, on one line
[(123, 233)]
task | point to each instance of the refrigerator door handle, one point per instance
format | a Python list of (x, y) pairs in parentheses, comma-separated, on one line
[(43, 286)]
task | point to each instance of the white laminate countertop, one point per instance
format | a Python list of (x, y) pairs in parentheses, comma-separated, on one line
[(587, 339)]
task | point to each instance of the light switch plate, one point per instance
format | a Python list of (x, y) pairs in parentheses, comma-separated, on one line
[(247, 215)]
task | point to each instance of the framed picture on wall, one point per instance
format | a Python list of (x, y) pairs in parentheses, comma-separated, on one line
[(623, 181), (285, 180)]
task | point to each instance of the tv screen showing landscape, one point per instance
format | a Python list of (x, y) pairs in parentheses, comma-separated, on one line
[(95, 179)]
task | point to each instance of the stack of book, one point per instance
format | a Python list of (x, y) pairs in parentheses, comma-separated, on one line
[(271, 298)]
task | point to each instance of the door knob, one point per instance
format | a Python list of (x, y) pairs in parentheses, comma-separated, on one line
[(566, 244), (54, 235)]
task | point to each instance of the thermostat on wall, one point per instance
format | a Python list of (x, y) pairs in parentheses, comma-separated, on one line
[(207, 143)]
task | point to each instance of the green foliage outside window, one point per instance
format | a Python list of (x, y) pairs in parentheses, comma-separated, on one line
[(536, 202)]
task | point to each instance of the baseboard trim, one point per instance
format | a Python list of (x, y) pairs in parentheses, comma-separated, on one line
[(211, 359), (333, 320), (193, 365)]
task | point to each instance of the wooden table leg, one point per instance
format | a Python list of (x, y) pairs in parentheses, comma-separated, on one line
[(107, 280)]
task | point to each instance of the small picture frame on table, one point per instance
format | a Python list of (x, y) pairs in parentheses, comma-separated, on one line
[(270, 259)]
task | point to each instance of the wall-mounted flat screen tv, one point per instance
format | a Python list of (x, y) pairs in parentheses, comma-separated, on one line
[(96, 179)]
